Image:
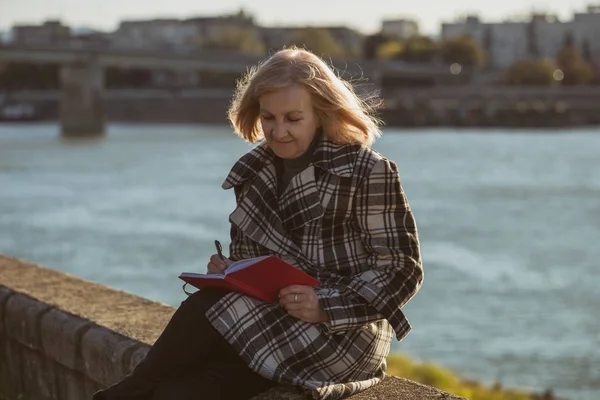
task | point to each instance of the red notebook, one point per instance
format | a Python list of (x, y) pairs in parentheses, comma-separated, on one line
[(261, 277)]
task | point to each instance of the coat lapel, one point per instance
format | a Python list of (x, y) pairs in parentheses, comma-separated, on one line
[(301, 202), (256, 213)]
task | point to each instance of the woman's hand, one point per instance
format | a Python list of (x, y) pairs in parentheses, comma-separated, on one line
[(302, 302), (216, 265)]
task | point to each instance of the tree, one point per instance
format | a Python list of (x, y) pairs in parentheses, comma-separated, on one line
[(420, 49), (372, 44), (391, 49), (463, 50), (240, 39), (531, 72), (576, 70), (318, 40)]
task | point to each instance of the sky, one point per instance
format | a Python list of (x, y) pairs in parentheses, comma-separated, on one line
[(362, 15)]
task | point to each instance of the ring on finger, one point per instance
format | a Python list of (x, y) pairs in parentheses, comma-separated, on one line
[(295, 297)]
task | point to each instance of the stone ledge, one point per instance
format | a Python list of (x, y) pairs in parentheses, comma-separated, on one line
[(391, 387), (106, 356), (59, 324), (114, 309), (80, 345)]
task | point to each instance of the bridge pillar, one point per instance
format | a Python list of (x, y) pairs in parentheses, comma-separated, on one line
[(81, 108)]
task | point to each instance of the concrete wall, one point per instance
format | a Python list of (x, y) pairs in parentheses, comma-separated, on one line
[(63, 338)]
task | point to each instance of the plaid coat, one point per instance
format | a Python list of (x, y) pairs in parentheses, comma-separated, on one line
[(344, 220)]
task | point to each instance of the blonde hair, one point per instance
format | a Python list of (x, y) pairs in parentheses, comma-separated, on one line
[(345, 117)]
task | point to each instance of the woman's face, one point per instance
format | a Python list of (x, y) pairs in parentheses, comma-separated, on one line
[(288, 120)]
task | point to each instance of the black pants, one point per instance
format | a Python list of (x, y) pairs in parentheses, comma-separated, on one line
[(189, 361)]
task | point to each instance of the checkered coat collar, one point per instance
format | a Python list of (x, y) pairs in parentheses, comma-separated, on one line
[(331, 157)]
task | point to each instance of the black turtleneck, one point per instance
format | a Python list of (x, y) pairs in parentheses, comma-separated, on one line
[(287, 168)]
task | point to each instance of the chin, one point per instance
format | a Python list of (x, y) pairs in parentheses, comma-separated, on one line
[(285, 153)]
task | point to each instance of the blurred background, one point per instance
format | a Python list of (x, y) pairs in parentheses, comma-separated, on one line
[(114, 143)]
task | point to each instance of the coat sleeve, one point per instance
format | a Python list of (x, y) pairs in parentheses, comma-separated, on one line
[(388, 232)]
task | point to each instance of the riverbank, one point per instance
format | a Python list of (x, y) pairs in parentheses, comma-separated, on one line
[(432, 374)]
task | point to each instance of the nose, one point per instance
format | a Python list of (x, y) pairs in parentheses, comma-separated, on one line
[(279, 131)]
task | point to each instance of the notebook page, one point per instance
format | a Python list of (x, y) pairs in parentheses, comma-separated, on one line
[(241, 264)]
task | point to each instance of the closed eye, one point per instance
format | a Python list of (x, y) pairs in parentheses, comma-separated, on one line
[(270, 117)]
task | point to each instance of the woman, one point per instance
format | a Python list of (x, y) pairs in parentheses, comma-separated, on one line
[(314, 194)]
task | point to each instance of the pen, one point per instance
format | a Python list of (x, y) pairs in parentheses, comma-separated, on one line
[(220, 250)]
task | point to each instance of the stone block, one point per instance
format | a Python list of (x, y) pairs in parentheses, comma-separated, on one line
[(393, 387), (91, 387), (70, 384), (60, 335), (135, 357), (5, 293), (22, 318), (105, 355), (11, 385), (281, 392), (37, 375), (390, 388)]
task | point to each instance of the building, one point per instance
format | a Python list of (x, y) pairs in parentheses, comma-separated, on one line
[(229, 33), (211, 30), (352, 41), (49, 33), (400, 29), (156, 34), (586, 32), (186, 35), (543, 35)]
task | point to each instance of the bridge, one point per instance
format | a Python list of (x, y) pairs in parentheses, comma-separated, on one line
[(120, 58), (82, 73), (207, 60)]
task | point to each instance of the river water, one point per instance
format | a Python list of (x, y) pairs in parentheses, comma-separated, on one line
[(509, 223)]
